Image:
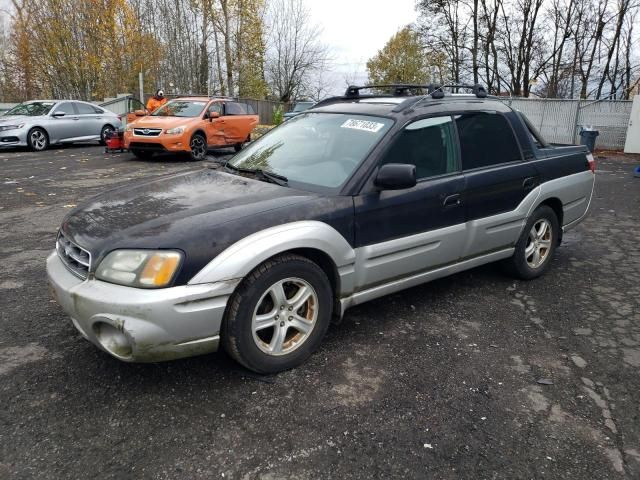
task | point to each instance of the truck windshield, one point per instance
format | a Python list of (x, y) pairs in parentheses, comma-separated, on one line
[(180, 108), (31, 109), (321, 149)]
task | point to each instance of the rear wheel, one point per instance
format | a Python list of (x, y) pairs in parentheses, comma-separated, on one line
[(198, 147), (38, 139), (279, 314), (536, 245), (239, 146), (142, 154), (106, 132)]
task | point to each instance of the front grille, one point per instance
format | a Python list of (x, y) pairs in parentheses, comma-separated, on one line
[(147, 132), (75, 258)]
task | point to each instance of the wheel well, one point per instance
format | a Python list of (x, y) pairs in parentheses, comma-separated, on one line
[(199, 132), (325, 262), (556, 205)]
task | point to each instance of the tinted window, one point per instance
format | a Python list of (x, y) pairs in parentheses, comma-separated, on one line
[(233, 108), (32, 109), (250, 109), (428, 144), (216, 107), (84, 109), (66, 108), (486, 139)]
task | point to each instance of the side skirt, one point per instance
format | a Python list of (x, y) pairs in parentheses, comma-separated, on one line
[(420, 278)]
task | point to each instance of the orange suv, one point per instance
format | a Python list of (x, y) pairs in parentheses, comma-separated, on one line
[(192, 125)]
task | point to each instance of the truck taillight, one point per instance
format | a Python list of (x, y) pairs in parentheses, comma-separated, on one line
[(592, 163)]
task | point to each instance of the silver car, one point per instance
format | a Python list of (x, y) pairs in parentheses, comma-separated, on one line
[(40, 123)]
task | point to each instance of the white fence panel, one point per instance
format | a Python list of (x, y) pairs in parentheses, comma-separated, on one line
[(610, 118), (555, 119)]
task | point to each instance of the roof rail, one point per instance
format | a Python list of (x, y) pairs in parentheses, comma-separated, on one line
[(478, 90), (399, 89)]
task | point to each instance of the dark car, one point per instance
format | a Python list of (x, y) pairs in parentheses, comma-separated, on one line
[(361, 197), (298, 108)]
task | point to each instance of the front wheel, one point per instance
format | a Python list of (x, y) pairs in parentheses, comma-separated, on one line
[(38, 139), (198, 147), (536, 245), (279, 314)]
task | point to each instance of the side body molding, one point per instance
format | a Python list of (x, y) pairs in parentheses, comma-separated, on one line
[(243, 256)]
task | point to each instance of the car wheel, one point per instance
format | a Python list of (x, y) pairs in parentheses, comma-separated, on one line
[(106, 130), (198, 147), (278, 315), (142, 154), (239, 146), (536, 245), (38, 139)]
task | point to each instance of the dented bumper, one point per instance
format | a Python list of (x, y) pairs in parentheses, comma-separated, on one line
[(138, 325)]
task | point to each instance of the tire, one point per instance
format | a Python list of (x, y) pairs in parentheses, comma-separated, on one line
[(254, 330), (142, 154), (198, 146), (239, 146), (536, 245), (38, 139), (103, 134)]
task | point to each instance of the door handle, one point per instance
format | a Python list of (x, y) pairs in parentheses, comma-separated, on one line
[(529, 183), (452, 201)]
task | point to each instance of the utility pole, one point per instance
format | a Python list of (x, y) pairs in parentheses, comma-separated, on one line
[(141, 83)]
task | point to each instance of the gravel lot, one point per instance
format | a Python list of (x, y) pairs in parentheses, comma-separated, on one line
[(440, 381)]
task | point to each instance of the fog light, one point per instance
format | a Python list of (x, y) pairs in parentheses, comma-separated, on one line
[(113, 340)]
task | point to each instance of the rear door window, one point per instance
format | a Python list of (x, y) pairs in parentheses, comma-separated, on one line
[(84, 109), (486, 139), (429, 144)]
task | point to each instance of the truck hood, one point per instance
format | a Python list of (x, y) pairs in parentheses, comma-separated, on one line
[(172, 211)]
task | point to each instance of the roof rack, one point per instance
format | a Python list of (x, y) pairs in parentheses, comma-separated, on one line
[(478, 90), (399, 89)]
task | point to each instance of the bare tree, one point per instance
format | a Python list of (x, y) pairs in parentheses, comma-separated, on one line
[(294, 53)]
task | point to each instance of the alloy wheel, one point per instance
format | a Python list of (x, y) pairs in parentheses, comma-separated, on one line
[(38, 140), (198, 147), (285, 316), (538, 243)]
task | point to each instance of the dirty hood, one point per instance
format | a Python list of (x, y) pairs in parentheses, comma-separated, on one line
[(177, 211)]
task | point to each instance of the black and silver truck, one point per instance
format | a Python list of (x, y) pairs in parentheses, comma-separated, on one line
[(359, 197)]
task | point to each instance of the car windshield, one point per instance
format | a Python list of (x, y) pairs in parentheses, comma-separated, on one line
[(302, 106), (180, 108), (31, 109), (321, 149)]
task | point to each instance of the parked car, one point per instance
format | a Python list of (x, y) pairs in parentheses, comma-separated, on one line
[(192, 125), (39, 123), (361, 197), (298, 108)]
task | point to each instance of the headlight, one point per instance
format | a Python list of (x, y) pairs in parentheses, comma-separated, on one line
[(130, 128), (175, 131), (139, 268), (11, 127)]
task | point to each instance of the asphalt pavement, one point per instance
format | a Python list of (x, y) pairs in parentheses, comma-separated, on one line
[(474, 376)]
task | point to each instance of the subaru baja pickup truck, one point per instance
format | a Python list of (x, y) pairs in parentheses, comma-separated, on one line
[(362, 196)]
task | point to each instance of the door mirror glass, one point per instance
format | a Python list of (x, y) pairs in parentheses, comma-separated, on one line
[(396, 176), (140, 113), (214, 114)]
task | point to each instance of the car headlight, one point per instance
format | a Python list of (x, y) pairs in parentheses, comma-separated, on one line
[(129, 128), (4, 128), (175, 131), (140, 268)]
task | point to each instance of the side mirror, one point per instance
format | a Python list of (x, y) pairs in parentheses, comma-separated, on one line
[(59, 114), (213, 115), (396, 176), (140, 113)]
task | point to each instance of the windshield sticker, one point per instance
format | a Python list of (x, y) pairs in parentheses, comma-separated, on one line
[(365, 125)]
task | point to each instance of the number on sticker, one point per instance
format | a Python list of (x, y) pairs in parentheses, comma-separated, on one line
[(364, 125)]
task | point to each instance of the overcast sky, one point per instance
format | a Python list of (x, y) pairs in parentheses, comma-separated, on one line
[(355, 30)]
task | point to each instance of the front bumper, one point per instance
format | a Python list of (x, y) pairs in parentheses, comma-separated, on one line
[(161, 143), (13, 138), (138, 325)]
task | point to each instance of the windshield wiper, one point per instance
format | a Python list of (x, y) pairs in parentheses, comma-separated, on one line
[(261, 174)]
